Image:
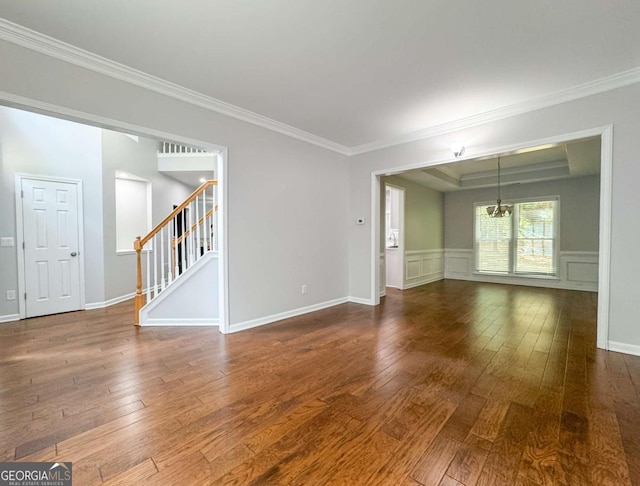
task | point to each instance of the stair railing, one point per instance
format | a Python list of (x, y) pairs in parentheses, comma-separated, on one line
[(176, 243)]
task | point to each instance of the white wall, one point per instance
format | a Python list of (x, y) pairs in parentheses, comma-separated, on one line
[(45, 146), (619, 107), (288, 200), (182, 304)]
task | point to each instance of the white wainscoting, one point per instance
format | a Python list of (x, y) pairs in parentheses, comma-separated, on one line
[(422, 267), (578, 270)]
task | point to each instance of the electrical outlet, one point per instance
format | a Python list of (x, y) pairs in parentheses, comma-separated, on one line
[(304, 289), (11, 295), (6, 241)]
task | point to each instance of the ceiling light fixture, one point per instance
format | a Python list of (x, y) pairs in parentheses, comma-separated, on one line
[(458, 149), (500, 210)]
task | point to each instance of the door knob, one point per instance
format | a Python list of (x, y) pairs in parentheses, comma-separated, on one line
[(73, 253)]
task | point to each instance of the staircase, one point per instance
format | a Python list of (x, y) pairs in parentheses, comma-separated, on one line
[(184, 240)]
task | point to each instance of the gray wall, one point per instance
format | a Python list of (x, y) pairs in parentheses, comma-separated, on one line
[(288, 199), (38, 145), (120, 152), (619, 108), (579, 211), (423, 215)]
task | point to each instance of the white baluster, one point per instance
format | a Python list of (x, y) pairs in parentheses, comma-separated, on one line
[(190, 216), (205, 228), (148, 275), (163, 277), (170, 251), (214, 217), (155, 267), (184, 242), (198, 241)]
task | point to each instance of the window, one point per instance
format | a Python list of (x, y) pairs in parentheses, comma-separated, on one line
[(523, 244)]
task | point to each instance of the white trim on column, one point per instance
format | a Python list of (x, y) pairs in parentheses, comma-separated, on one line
[(604, 266), (223, 241), (375, 244)]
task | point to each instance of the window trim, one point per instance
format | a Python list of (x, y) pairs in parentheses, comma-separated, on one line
[(513, 241)]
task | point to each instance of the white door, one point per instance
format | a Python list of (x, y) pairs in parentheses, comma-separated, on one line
[(51, 246)]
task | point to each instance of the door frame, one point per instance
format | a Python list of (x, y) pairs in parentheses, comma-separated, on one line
[(401, 242), (57, 111), (19, 177), (606, 195)]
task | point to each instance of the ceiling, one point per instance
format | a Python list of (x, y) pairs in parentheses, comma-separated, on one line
[(192, 178), (536, 164), (354, 72)]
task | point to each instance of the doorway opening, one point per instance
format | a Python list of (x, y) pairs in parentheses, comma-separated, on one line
[(579, 269), (30, 137), (394, 236)]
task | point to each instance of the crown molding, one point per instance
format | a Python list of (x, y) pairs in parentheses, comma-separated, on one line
[(22, 36), (591, 88), (30, 39)]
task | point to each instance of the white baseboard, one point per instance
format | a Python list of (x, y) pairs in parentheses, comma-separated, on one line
[(624, 348), (241, 326), (10, 318), (181, 322), (359, 300), (107, 303), (424, 281)]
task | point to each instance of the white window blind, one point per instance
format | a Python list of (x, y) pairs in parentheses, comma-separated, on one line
[(522, 244), (493, 242), (535, 243)]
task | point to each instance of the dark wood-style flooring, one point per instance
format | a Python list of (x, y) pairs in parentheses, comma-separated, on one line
[(449, 383)]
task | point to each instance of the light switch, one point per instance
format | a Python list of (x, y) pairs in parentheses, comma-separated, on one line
[(6, 241)]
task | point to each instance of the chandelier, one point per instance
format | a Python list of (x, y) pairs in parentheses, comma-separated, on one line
[(499, 210)]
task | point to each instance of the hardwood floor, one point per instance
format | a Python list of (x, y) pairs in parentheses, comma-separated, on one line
[(449, 383)]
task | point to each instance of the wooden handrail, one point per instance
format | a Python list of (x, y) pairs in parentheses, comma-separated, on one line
[(179, 239), (175, 212), (138, 301)]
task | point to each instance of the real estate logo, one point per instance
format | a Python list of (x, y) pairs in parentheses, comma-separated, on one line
[(35, 474)]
